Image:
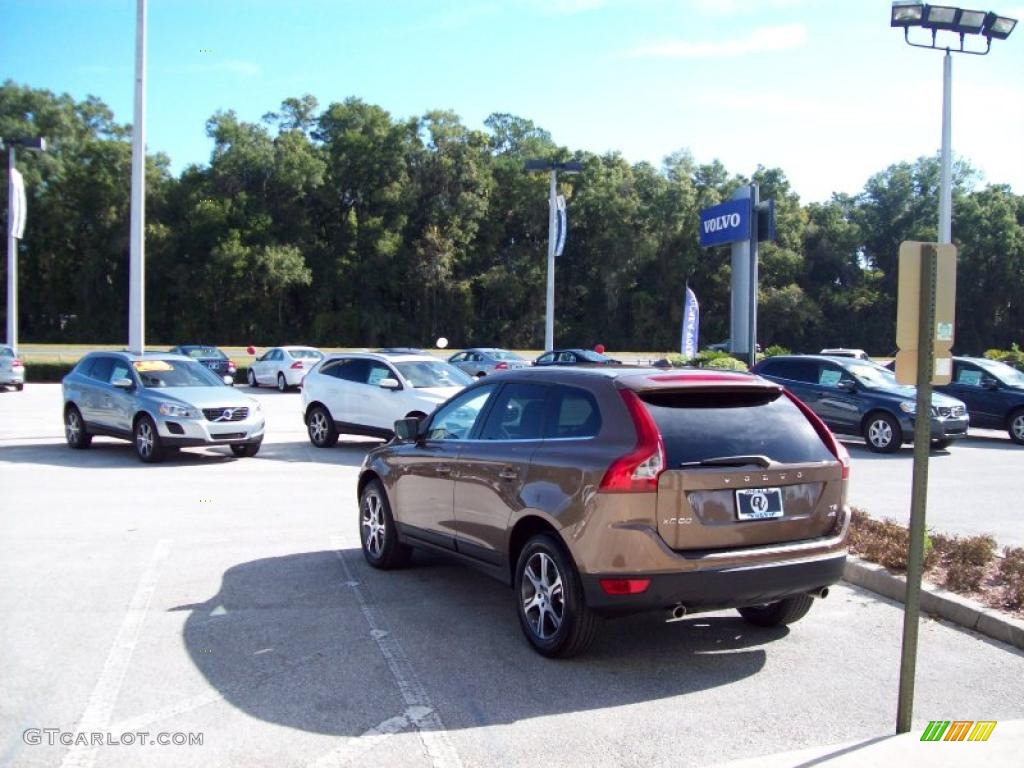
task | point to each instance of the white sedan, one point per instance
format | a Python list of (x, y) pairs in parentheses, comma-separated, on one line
[(12, 370), (283, 367)]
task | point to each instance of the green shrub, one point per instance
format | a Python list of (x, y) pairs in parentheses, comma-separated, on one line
[(46, 373), (776, 349), (714, 359), (1013, 356)]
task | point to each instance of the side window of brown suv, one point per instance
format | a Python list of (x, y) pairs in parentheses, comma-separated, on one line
[(573, 414), (518, 413)]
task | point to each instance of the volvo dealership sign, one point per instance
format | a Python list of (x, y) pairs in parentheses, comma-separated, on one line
[(727, 222)]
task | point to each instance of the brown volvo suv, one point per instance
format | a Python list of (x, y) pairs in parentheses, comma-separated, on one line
[(602, 492)]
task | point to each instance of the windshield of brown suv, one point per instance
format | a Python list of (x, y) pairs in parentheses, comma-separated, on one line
[(704, 425)]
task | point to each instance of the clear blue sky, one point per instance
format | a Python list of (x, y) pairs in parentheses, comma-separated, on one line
[(823, 89)]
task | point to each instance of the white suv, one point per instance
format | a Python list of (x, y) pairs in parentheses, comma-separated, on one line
[(364, 393)]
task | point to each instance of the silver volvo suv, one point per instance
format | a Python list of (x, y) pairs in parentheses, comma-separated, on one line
[(160, 402)]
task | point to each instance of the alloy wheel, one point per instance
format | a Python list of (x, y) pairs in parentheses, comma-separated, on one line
[(72, 427), (1017, 427), (880, 433), (373, 522), (318, 427), (144, 439), (542, 595)]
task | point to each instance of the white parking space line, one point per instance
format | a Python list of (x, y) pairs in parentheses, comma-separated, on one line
[(364, 742), (431, 729), (104, 696)]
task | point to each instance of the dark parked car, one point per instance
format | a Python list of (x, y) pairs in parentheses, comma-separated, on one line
[(211, 357), (993, 392), (859, 397), (609, 491), (574, 357)]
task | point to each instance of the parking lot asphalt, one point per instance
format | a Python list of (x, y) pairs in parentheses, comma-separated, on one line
[(974, 486), (228, 597)]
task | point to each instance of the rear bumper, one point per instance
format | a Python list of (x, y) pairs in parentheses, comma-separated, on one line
[(714, 588), (14, 376)]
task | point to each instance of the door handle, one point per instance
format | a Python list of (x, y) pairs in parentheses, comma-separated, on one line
[(443, 469), (508, 473)]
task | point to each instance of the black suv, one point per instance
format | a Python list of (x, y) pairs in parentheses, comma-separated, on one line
[(993, 392), (858, 397)]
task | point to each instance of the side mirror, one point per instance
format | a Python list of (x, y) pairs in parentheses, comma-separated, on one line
[(846, 385), (124, 383), (407, 430), (389, 384)]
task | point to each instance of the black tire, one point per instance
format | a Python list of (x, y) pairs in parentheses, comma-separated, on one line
[(555, 619), (377, 532), (1015, 426), (282, 385), (882, 433), (320, 427), (251, 376), (784, 611), (943, 444), (246, 450), (19, 386), (146, 440), (74, 429)]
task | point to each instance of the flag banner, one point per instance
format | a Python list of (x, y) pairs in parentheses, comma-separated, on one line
[(17, 192), (562, 224), (691, 325)]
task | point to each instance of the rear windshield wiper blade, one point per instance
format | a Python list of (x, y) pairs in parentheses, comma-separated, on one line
[(730, 461)]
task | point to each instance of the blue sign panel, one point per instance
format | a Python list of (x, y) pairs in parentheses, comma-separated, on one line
[(726, 222)]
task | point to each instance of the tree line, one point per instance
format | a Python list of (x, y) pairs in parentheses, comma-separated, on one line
[(346, 226)]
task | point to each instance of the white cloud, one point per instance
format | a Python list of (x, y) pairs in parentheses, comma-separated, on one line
[(761, 40)]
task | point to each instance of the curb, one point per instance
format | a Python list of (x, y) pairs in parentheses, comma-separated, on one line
[(936, 601)]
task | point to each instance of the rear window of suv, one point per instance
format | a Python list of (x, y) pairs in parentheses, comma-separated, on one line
[(705, 425)]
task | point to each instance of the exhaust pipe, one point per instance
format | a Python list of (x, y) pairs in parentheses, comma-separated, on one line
[(821, 593), (678, 613)]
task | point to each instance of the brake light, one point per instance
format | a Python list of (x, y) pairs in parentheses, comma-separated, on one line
[(297, 365), (625, 586), (638, 470), (231, 366), (502, 366), (15, 362), (838, 449)]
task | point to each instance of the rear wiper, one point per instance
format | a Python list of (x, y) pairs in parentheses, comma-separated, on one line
[(730, 461)]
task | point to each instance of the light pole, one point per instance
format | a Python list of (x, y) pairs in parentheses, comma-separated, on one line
[(554, 168), (959, 22), (16, 214)]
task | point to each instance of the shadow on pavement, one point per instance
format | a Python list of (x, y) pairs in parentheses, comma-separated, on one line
[(286, 640), (107, 453)]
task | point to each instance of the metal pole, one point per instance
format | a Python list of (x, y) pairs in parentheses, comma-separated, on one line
[(755, 198), (12, 258), (549, 318), (946, 183), (137, 259), (919, 489)]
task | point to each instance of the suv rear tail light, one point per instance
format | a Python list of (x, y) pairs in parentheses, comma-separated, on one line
[(231, 366), (625, 586), (502, 366), (297, 365), (638, 470), (15, 363), (838, 449)]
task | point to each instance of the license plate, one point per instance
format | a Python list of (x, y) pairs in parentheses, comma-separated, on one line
[(758, 503)]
